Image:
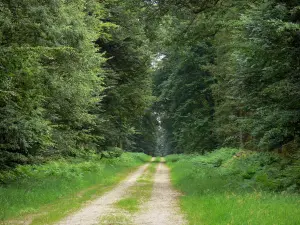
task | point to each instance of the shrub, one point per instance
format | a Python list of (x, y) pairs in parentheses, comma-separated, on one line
[(243, 169)]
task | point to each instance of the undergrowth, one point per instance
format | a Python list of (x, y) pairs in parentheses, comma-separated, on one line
[(27, 189), (230, 186)]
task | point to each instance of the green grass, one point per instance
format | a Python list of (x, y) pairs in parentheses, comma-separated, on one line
[(46, 193), (139, 193), (242, 208), (129, 204), (225, 188), (157, 159), (119, 218)]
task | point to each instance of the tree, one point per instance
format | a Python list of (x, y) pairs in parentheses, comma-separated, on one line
[(246, 59), (264, 80), (128, 92), (50, 76)]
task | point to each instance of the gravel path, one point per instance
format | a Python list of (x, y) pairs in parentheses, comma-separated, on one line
[(90, 214), (162, 209)]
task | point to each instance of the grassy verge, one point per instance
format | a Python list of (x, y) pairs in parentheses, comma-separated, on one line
[(44, 194), (237, 187)]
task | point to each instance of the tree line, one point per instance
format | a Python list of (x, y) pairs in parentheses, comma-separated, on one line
[(75, 79), (87, 76), (230, 76)]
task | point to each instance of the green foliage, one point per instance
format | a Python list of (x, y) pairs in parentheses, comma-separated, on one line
[(112, 152), (258, 77), (185, 99), (139, 193), (77, 79), (251, 208), (241, 170), (235, 186), (230, 75), (145, 138), (128, 94), (27, 188), (50, 76), (63, 90), (129, 204)]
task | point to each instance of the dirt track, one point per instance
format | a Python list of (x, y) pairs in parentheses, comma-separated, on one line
[(90, 214), (161, 209)]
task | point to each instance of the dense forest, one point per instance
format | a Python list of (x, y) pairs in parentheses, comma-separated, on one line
[(81, 77), (75, 79), (90, 89), (230, 76)]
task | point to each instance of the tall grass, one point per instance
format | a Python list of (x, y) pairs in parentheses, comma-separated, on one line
[(230, 186), (27, 189)]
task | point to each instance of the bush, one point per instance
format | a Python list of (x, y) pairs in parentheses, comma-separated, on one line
[(68, 168), (243, 169), (232, 186), (111, 152)]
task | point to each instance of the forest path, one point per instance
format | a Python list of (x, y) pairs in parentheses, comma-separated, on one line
[(90, 214), (162, 209)]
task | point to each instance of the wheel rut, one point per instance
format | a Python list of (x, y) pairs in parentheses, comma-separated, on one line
[(162, 209), (90, 214)]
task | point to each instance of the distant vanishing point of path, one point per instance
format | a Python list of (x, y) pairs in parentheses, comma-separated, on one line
[(162, 209)]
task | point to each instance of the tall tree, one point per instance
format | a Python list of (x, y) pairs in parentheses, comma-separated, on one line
[(246, 57), (128, 92), (50, 76), (264, 76)]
